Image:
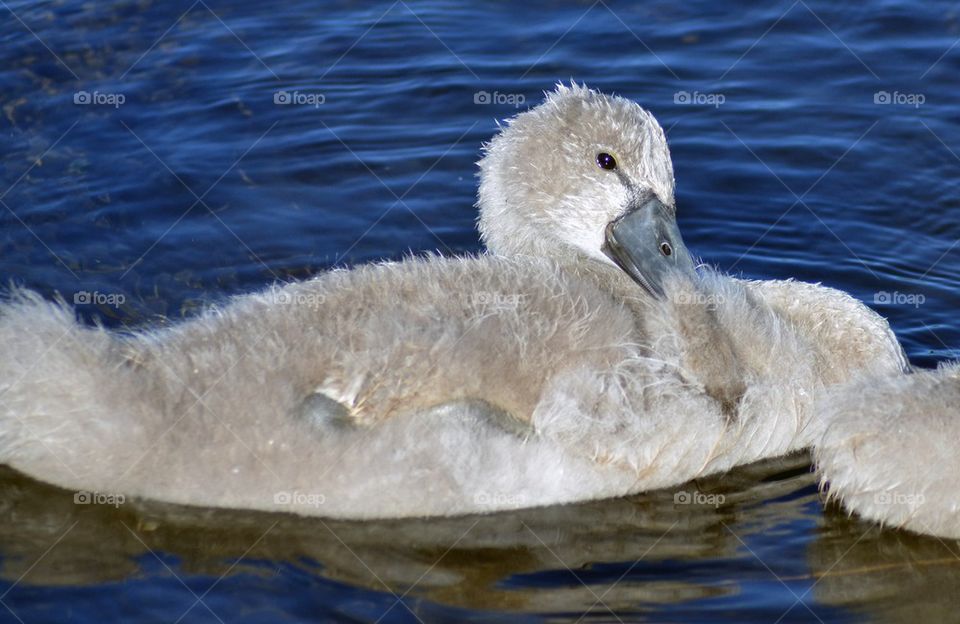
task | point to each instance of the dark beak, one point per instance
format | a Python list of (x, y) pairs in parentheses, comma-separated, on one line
[(645, 242)]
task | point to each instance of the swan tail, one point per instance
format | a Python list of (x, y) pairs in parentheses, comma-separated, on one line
[(888, 450), (52, 370)]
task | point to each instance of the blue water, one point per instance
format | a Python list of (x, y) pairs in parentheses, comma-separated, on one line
[(810, 139)]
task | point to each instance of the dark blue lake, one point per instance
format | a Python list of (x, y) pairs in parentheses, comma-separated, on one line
[(160, 156)]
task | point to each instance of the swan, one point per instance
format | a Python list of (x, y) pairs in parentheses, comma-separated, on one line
[(584, 356), (889, 449)]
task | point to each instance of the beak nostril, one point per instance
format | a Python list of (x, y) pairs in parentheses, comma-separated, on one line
[(665, 248)]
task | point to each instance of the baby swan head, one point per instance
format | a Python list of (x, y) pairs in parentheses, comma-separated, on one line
[(584, 175)]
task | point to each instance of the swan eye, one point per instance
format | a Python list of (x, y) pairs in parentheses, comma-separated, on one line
[(665, 248), (606, 161)]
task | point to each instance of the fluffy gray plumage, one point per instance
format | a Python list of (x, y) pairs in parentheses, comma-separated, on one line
[(889, 448), (536, 374)]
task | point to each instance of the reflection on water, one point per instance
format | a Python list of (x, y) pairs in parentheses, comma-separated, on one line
[(755, 544)]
